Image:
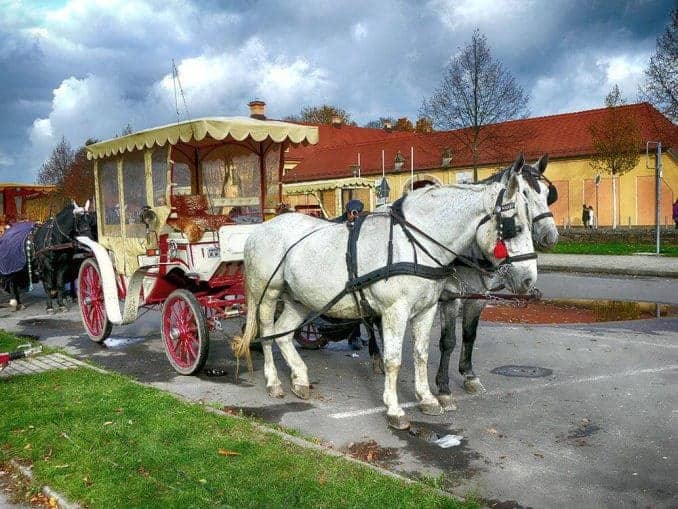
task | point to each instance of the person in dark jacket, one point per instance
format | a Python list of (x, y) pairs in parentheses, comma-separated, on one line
[(351, 211), (675, 213)]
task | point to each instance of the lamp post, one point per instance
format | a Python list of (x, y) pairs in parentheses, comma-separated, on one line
[(597, 208)]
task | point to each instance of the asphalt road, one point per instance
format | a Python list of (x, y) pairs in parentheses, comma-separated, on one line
[(598, 430)]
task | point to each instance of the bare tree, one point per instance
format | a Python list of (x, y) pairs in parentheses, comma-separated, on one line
[(661, 76), (476, 91), (56, 167), (403, 124), (321, 115), (616, 142)]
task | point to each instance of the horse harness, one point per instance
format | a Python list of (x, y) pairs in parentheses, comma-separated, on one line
[(506, 229)]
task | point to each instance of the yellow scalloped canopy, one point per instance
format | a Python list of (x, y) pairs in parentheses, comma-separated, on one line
[(238, 128)]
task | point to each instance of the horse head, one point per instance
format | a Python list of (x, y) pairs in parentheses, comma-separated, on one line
[(504, 234), (540, 193), (84, 221)]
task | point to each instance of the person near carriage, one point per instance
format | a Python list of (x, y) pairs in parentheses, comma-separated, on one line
[(675, 213), (351, 212)]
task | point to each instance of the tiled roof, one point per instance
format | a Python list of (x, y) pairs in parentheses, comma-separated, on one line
[(564, 135)]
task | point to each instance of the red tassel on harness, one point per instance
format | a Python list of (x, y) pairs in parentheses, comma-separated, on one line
[(500, 251)]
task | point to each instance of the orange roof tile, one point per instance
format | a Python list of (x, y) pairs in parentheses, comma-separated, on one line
[(563, 135)]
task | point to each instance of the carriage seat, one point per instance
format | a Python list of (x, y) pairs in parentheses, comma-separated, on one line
[(189, 215)]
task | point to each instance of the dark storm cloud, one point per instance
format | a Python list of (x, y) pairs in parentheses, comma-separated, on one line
[(80, 69)]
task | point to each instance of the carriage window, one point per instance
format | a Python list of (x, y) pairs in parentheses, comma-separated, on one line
[(108, 188), (159, 174), (230, 178), (134, 192), (181, 179)]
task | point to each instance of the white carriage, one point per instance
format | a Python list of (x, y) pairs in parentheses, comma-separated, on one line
[(174, 206)]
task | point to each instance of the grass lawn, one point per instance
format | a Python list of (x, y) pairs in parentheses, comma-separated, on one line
[(609, 248), (105, 441)]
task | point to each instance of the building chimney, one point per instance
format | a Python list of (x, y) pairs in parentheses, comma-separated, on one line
[(388, 126), (336, 120), (257, 109)]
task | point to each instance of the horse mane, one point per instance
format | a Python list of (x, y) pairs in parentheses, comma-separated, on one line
[(529, 173)]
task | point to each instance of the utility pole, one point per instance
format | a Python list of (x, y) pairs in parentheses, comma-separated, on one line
[(658, 179)]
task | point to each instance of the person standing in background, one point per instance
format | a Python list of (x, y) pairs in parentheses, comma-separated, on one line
[(675, 212)]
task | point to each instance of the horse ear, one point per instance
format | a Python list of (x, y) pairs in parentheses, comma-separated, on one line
[(519, 162), (542, 163)]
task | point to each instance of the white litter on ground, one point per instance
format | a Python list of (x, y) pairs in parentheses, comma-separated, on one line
[(448, 441)]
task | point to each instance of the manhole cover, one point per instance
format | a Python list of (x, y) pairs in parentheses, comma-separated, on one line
[(522, 371)]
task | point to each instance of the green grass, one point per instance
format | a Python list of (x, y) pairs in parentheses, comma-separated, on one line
[(105, 441), (609, 248)]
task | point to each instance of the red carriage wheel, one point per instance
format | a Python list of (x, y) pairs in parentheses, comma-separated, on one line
[(184, 332), (309, 337), (91, 301)]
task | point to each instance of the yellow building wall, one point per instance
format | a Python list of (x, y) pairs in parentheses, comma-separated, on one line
[(574, 179)]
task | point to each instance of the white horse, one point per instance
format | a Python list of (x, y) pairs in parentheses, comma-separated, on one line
[(540, 193), (301, 261)]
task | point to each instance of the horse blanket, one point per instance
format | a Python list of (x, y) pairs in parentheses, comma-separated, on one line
[(12, 254)]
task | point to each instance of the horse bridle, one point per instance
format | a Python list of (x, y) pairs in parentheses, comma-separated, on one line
[(550, 200), (507, 229)]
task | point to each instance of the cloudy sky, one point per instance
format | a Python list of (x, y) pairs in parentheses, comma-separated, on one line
[(87, 68)]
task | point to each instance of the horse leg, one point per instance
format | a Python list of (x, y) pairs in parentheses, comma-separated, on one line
[(375, 353), (61, 287), (47, 285), (421, 329), (15, 301), (471, 316), (393, 326), (266, 320), (292, 316), (448, 340)]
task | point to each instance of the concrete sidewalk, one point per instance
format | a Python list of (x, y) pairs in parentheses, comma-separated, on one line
[(634, 265)]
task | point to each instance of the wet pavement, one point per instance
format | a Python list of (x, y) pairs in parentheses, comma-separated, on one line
[(593, 424)]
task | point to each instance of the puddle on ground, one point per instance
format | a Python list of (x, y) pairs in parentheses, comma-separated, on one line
[(455, 462), (271, 413), (522, 371), (52, 323), (574, 311), (119, 343)]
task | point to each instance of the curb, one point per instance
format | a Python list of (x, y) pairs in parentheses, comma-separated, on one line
[(610, 271), (46, 490)]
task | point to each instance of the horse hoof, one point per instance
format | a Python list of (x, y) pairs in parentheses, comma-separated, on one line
[(302, 391), (447, 402), (14, 303), (473, 386), (431, 408), (50, 311), (276, 391), (398, 421)]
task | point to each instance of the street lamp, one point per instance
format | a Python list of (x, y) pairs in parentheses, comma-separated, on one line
[(597, 208)]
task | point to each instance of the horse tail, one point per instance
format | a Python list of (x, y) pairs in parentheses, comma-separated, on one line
[(241, 343)]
